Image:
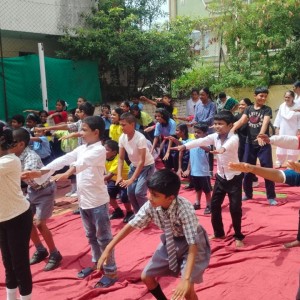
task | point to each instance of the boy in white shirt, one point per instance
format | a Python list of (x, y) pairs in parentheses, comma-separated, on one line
[(227, 181), (142, 162), (88, 163)]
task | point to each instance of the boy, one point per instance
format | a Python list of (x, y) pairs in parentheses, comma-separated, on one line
[(17, 121), (41, 198), (227, 181), (142, 162), (198, 169), (258, 117), (176, 217), (88, 163), (110, 178)]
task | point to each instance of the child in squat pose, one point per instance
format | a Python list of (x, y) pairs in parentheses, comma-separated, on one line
[(88, 163), (184, 248), (227, 181)]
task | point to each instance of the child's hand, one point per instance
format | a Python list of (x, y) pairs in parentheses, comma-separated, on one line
[(29, 175), (166, 157), (294, 165), (261, 142), (263, 137), (126, 183), (179, 172), (242, 167), (178, 148), (103, 258), (59, 177), (218, 151), (186, 173), (181, 290)]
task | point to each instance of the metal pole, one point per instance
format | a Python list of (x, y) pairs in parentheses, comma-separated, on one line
[(3, 75), (43, 76)]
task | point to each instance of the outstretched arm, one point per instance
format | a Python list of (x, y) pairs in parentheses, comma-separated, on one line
[(267, 173)]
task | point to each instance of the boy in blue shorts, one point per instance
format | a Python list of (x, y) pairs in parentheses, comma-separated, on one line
[(184, 248), (111, 165), (198, 169), (41, 198), (227, 181), (88, 163)]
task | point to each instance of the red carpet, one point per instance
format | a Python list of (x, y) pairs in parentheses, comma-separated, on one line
[(261, 270)]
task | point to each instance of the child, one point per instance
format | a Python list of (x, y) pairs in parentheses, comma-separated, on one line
[(17, 121), (165, 127), (142, 162), (41, 145), (227, 181), (176, 217), (198, 169), (59, 115), (125, 106), (111, 165), (105, 114), (115, 129), (41, 198), (258, 117), (88, 163), (15, 222)]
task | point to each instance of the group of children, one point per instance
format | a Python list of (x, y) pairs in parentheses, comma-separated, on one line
[(102, 173)]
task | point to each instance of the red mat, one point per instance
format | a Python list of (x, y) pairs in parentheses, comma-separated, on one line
[(262, 270)]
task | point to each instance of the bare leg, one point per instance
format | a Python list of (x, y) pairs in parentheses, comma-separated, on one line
[(198, 197), (46, 234), (128, 207), (150, 282), (208, 198), (113, 203)]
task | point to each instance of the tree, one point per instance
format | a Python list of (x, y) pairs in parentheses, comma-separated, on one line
[(262, 39), (131, 51)]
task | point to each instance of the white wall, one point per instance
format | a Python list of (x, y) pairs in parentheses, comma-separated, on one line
[(41, 16)]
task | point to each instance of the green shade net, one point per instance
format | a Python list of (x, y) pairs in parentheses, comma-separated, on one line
[(66, 79)]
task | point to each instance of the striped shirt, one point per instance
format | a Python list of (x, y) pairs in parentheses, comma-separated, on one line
[(182, 215)]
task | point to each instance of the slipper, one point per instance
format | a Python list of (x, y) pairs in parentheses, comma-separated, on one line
[(105, 282), (85, 272)]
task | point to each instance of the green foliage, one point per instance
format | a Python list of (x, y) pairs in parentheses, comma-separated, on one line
[(132, 53), (261, 39)]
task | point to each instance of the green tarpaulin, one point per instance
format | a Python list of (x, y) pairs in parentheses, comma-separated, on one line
[(66, 80)]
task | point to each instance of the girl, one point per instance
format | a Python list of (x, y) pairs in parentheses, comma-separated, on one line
[(59, 115), (125, 106), (15, 222), (164, 128), (115, 129)]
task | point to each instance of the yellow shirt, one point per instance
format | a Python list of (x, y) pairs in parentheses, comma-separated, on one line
[(112, 167), (115, 131)]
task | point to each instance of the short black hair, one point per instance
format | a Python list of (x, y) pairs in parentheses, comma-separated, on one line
[(261, 90), (6, 137), (128, 117), (21, 135), (19, 118), (33, 117), (201, 126), (247, 101), (113, 145), (165, 182), (106, 106), (126, 103), (87, 107), (297, 84), (222, 95), (195, 90), (226, 116), (95, 122)]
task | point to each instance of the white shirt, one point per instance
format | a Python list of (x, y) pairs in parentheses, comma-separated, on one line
[(231, 145), (286, 141), (89, 161), (138, 141), (12, 200), (190, 107)]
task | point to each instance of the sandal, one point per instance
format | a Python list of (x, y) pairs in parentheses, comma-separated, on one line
[(105, 282), (85, 272)]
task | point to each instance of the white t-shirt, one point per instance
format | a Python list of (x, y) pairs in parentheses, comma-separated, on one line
[(137, 142), (12, 200)]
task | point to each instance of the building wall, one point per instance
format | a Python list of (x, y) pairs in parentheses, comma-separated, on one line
[(42, 16)]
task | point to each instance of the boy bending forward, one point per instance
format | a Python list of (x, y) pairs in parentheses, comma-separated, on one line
[(184, 244)]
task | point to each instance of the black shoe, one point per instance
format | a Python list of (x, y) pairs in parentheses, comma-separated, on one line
[(117, 214), (129, 216), (76, 211), (38, 256), (54, 261), (196, 206), (207, 210)]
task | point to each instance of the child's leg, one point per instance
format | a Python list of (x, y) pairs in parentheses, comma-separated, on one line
[(198, 197), (235, 205), (153, 287), (41, 226), (296, 242), (216, 207)]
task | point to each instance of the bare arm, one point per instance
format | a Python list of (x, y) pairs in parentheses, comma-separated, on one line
[(152, 102), (120, 164), (243, 120)]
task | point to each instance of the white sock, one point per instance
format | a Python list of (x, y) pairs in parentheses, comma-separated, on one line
[(11, 294), (27, 297)]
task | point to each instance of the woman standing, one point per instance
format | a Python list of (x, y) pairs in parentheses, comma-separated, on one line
[(287, 122), (15, 222)]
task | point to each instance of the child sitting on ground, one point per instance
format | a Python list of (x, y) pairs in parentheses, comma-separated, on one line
[(227, 181), (111, 165), (184, 247)]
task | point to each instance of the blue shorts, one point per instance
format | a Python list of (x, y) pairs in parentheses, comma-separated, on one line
[(292, 178), (159, 264), (114, 190), (42, 201)]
